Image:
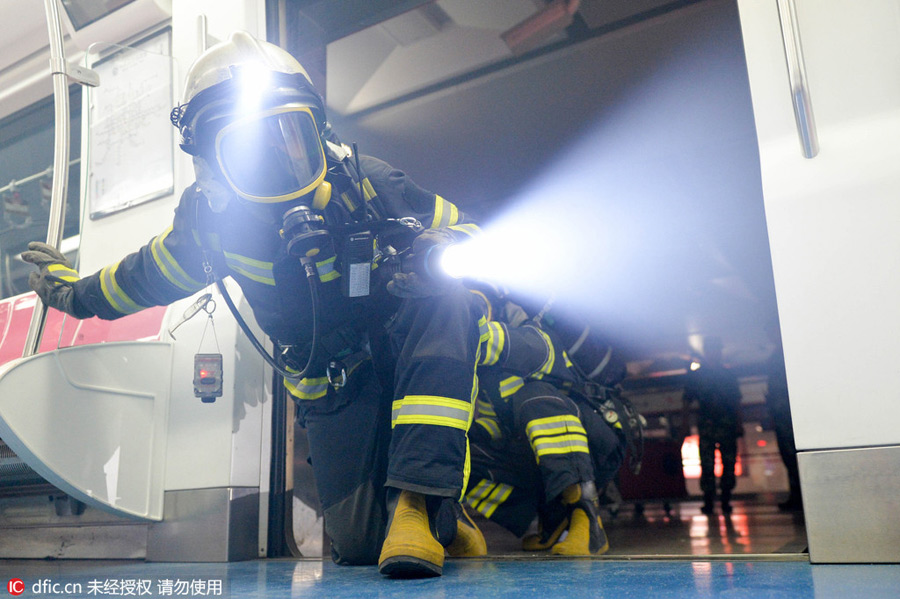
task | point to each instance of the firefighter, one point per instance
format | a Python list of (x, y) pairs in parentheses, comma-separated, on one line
[(717, 391), (541, 448), (286, 210)]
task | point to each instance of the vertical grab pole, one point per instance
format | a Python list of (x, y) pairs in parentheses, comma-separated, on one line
[(793, 53), (60, 160)]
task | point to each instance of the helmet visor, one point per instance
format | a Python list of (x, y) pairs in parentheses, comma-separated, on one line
[(273, 156)]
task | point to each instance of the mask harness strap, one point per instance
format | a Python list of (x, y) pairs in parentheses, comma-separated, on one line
[(310, 269)]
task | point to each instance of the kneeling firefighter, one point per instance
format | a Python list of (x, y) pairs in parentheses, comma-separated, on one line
[(380, 363), (550, 428)]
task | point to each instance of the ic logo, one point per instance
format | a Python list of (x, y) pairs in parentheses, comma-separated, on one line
[(15, 586)]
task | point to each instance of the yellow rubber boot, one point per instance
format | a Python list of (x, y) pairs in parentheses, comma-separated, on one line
[(545, 540), (469, 541), (585, 535), (410, 550)]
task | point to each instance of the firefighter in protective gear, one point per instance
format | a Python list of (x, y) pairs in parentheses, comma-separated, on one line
[(539, 448), (717, 391), (388, 434)]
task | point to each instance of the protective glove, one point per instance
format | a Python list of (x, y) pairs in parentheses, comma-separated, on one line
[(432, 237), (422, 284), (53, 283)]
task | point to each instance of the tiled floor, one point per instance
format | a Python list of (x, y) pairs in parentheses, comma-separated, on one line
[(758, 554)]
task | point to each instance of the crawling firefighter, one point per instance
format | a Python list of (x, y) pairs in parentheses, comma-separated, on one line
[(551, 428)]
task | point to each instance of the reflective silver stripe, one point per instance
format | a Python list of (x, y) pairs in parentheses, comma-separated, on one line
[(479, 492), (495, 342), (484, 331), (488, 505), (308, 388), (257, 270), (470, 229), (445, 213), (326, 270), (486, 408), (511, 385), (169, 267), (551, 356), (558, 445), (491, 426), (63, 272), (432, 410), (554, 425), (577, 345), (114, 294), (602, 363)]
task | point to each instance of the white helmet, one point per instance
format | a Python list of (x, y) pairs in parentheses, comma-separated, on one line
[(249, 109)]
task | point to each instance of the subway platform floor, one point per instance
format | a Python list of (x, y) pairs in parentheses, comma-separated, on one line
[(760, 553)]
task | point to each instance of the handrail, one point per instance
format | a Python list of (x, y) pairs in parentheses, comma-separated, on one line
[(47, 171), (60, 160), (793, 52)]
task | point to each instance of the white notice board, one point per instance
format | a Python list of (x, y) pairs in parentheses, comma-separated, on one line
[(130, 145)]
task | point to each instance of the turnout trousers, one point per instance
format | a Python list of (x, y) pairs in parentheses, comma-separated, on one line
[(364, 437), (545, 442)]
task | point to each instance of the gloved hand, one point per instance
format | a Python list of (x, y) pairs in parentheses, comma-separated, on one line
[(53, 283), (422, 284), (431, 237), (412, 285)]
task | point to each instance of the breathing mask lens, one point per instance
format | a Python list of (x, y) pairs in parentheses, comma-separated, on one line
[(272, 157)]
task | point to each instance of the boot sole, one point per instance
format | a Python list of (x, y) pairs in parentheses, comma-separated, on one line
[(404, 566)]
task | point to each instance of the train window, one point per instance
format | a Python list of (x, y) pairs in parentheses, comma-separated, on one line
[(26, 159)]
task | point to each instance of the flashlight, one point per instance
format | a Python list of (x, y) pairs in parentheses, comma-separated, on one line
[(437, 262)]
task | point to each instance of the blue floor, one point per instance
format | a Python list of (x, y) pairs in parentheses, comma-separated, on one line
[(477, 579)]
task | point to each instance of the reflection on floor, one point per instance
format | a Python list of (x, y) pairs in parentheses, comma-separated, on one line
[(757, 552), (477, 578), (756, 527)]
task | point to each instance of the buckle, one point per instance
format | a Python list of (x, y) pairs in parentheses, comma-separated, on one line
[(335, 367)]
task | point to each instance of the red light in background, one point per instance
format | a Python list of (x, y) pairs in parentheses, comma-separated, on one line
[(761, 443)]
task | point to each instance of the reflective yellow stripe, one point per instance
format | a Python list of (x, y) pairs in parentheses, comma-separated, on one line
[(495, 342), (348, 201), (553, 425), (117, 298), (491, 426), (368, 190), (547, 366), (445, 213), (326, 270), (169, 267), (487, 505), (432, 410), (470, 229), (560, 445), (557, 435), (479, 492), (486, 408), (510, 385), (257, 270), (308, 388), (63, 272)]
